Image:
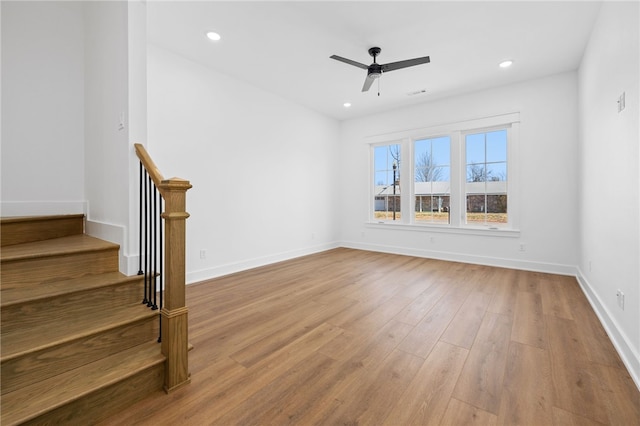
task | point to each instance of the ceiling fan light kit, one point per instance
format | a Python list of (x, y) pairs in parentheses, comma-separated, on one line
[(375, 70)]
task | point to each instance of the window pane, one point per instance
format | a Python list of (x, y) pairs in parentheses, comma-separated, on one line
[(442, 174), (497, 146), (432, 209), (476, 173), (497, 172), (383, 178), (441, 151), (432, 158), (386, 163), (486, 188), (475, 146), (497, 203)]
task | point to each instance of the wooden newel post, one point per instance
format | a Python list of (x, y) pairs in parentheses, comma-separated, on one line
[(174, 312)]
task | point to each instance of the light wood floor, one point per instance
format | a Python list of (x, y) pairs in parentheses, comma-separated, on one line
[(356, 337)]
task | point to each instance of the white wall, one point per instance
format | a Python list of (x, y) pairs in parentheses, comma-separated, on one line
[(107, 149), (261, 167), (609, 177), (547, 169), (42, 108)]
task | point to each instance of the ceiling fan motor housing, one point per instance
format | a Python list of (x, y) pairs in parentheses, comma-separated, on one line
[(375, 69)]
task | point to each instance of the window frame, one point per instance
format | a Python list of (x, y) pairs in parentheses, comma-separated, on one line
[(456, 132)]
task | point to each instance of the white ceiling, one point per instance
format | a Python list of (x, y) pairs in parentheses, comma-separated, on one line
[(284, 47)]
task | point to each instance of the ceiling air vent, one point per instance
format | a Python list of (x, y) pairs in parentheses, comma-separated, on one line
[(417, 92)]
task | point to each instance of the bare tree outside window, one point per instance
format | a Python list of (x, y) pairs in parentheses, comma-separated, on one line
[(426, 168)]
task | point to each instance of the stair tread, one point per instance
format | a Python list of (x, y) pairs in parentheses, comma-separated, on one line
[(55, 247), (11, 294), (22, 404), (14, 219), (18, 342)]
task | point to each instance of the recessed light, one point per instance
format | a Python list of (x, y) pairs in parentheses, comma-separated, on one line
[(506, 64), (211, 35), (346, 104)]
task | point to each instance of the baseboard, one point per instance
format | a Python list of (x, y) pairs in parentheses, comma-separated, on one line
[(630, 357), (231, 268), (41, 208), (552, 268)]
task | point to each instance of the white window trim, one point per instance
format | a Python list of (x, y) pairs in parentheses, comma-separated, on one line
[(456, 131)]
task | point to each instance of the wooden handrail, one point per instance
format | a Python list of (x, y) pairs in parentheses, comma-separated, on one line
[(174, 313), (149, 165)]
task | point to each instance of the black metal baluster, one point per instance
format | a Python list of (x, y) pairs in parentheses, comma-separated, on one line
[(140, 225), (150, 271), (155, 248), (146, 240), (161, 289)]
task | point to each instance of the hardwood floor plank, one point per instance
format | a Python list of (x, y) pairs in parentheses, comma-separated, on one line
[(528, 321), (528, 368), (296, 384), (460, 413), (575, 383), (597, 345), (367, 349), (289, 328), (216, 403), (426, 398), (613, 382), (421, 340), (554, 301), (480, 383), (463, 328), (504, 298), (366, 401), (422, 303), (565, 418)]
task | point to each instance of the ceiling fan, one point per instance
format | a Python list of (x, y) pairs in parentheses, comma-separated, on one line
[(375, 70)]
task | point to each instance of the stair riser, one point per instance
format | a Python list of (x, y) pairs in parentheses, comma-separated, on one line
[(110, 400), (69, 306), (37, 229), (29, 271), (39, 365)]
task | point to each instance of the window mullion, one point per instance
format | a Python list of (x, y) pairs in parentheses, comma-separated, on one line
[(406, 179), (456, 198)]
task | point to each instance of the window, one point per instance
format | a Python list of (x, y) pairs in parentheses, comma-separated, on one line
[(486, 180), (458, 175), (432, 180), (386, 177)]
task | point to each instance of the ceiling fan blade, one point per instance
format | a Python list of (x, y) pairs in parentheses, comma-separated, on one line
[(368, 82), (404, 64), (349, 61)]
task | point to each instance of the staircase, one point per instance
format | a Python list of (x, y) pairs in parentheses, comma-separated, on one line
[(77, 345)]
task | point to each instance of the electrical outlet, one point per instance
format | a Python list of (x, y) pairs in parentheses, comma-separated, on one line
[(203, 254), (522, 247), (432, 240), (620, 296)]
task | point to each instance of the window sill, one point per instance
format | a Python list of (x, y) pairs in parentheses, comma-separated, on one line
[(446, 229)]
